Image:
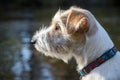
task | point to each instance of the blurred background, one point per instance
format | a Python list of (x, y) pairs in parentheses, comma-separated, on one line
[(19, 19)]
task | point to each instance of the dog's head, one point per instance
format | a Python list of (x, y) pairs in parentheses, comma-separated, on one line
[(66, 35)]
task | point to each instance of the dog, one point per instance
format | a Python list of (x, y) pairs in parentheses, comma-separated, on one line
[(77, 33)]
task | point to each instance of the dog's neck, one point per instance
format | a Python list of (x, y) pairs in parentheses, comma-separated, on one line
[(95, 46), (102, 59)]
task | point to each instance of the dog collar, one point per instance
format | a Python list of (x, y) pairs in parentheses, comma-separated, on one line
[(103, 58)]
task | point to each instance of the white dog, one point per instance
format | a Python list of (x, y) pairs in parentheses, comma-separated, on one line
[(76, 33)]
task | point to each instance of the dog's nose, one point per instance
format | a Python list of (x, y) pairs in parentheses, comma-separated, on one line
[(32, 41)]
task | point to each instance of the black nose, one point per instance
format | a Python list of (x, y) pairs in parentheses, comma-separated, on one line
[(33, 42)]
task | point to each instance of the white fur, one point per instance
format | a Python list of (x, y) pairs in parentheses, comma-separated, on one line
[(95, 47), (96, 43)]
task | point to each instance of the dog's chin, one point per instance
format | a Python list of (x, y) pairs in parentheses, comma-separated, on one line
[(64, 56)]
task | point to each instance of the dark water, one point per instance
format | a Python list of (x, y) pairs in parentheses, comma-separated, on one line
[(20, 61)]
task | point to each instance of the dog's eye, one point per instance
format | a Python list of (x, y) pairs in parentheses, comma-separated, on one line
[(57, 27)]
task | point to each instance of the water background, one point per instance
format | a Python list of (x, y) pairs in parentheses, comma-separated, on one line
[(20, 61)]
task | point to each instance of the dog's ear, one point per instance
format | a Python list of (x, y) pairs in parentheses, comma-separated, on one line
[(76, 22)]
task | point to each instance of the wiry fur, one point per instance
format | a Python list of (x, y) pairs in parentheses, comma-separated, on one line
[(85, 41)]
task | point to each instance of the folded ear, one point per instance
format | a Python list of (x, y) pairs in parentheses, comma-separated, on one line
[(77, 22)]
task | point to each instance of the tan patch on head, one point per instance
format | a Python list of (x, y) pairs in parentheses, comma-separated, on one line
[(77, 22), (73, 23)]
